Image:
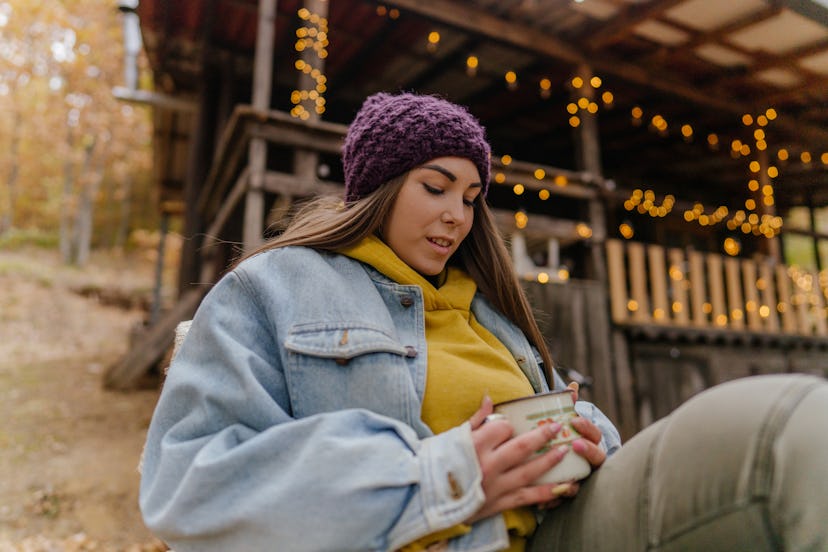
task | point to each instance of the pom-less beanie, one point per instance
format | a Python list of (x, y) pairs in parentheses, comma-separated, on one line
[(392, 134)]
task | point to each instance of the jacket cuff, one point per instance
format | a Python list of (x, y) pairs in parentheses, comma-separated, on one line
[(450, 489)]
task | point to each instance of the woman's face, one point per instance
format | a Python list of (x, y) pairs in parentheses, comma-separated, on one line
[(433, 213)]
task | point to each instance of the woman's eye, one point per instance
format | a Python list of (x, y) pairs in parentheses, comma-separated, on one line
[(470, 202), (432, 189)]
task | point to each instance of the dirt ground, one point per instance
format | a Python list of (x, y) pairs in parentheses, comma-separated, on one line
[(69, 449)]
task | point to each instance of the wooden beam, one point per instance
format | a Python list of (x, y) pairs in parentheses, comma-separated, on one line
[(475, 20), (623, 24), (296, 185), (151, 346), (157, 100), (539, 226)]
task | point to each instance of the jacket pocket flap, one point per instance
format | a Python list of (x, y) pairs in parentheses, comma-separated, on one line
[(340, 340)]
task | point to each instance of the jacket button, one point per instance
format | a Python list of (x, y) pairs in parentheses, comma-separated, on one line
[(406, 301), (410, 351), (454, 487), (342, 361)]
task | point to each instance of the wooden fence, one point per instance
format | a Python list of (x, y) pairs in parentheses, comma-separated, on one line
[(653, 285)]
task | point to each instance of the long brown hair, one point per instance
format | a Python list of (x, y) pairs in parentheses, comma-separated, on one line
[(327, 224)]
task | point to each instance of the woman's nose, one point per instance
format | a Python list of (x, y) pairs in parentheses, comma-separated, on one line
[(455, 212)]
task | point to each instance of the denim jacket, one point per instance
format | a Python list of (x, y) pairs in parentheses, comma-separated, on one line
[(290, 417)]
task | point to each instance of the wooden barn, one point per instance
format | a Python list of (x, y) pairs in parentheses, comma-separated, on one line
[(660, 166)]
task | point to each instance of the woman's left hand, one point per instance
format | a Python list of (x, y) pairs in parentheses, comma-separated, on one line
[(587, 446)]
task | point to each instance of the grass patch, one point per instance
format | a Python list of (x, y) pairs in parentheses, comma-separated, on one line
[(16, 238)]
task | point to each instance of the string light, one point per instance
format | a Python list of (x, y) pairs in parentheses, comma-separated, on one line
[(313, 35), (393, 13), (511, 79), (545, 88), (644, 203), (433, 41), (584, 103)]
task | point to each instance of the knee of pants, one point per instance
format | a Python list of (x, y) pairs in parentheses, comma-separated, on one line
[(736, 446), (737, 467)]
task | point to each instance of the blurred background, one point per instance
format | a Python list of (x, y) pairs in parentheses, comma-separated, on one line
[(660, 173)]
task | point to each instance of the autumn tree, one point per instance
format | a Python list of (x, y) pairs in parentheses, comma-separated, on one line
[(72, 150)]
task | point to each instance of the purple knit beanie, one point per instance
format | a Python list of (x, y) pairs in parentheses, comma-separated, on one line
[(392, 134)]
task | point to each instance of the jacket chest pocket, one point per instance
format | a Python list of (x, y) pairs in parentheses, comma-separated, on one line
[(337, 366)]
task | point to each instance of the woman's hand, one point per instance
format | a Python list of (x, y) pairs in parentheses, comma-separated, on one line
[(508, 471), (588, 445)]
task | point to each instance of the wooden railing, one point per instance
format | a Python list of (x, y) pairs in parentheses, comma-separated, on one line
[(653, 285)]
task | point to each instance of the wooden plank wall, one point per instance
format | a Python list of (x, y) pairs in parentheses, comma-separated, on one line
[(672, 287), (693, 320), (709, 309), (668, 373)]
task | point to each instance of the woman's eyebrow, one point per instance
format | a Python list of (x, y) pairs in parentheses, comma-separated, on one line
[(448, 174), (442, 170)]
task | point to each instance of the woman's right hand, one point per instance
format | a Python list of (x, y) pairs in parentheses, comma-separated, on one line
[(508, 471)]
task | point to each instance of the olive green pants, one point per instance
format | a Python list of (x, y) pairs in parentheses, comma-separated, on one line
[(742, 466)]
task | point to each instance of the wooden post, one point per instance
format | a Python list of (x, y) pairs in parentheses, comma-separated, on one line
[(786, 307), (735, 303), (717, 294), (679, 287), (768, 294), (588, 151), (198, 165), (257, 154), (638, 283), (752, 303), (658, 284), (698, 294), (617, 281)]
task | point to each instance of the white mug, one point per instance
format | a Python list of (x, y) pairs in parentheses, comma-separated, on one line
[(527, 413)]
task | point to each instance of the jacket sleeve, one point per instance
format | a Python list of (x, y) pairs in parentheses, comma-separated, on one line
[(226, 466)]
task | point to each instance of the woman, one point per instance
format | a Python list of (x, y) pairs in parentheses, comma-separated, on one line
[(332, 391)]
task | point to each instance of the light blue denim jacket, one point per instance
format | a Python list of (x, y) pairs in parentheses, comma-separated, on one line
[(290, 417)]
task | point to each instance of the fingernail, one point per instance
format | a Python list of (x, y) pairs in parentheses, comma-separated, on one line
[(579, 445), (559, 490), (561, 450), (487, 400), (552, 429)]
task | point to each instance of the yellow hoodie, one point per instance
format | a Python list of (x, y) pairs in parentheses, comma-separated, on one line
[(465, 362)]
